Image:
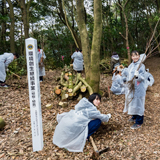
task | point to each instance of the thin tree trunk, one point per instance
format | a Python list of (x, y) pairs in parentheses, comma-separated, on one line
[(21, 40), (12, 42), (84, 37), (127, 31), (24, 18), (158, 5), (64, 19), (3, 26), (123, 23), (151, 25), (96, 43)]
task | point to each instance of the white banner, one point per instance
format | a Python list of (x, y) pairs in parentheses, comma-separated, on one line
[(34, 93)]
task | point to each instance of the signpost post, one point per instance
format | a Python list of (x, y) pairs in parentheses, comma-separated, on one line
[(34, 93)]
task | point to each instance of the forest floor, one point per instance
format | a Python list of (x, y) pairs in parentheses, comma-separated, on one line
[(124, 143)]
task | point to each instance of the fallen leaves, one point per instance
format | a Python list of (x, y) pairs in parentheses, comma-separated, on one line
[(124, 143)]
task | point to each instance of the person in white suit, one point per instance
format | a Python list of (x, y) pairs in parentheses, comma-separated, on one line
[(41, 57), (149, 80), (5, 60), (77, 58), (76, 126)]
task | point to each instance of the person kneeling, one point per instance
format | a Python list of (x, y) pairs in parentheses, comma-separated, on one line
[(76, 126)]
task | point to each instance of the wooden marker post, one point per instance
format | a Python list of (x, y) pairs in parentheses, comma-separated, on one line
[(34, 93)]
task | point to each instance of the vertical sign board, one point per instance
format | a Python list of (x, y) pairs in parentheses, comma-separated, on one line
[(34, 93)]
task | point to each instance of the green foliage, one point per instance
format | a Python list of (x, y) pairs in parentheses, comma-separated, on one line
[(18, 66), (141, 16)]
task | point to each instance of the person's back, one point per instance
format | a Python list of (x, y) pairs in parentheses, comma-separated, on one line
[(117, 81), (77, 60), (5, 60), (6, 56)]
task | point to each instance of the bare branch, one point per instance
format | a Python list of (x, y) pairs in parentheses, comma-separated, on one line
[(122, 35), (125, 4), (149, 44)]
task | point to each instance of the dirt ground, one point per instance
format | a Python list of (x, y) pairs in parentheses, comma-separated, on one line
[(124, 143)]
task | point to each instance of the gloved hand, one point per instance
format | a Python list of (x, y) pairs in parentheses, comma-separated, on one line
[(136, 73), (7, 70), (109, 115)]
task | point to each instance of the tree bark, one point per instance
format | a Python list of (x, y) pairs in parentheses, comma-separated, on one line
[(25, 17), (96, 43), (11, 14), (91, 56), (3, 26), (158, 5), (84, 37), (127, 30)]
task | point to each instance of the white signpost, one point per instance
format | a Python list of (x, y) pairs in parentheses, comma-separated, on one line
[(34, 93)]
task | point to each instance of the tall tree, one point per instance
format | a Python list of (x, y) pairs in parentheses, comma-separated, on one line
[(3, 24), (63, 16), (127, 29), (25, 15), (11, 15), (91, 54)]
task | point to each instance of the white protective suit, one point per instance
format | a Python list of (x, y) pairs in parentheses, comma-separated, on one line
[(149, 80), (77, 61), (137, 105), (41, 69), (117, 85), (5, 60), (72, 129), (142, 57)]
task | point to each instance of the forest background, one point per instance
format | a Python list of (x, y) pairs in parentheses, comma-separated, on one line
[(125, 25), (122, 26)]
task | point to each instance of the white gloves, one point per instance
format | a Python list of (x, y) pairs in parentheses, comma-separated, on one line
[(136, 73), (109, 115), (7, 70)]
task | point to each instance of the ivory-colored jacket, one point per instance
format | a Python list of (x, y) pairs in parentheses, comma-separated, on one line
[(72, 129), (5, 60)]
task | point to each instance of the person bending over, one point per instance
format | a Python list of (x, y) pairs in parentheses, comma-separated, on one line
[(5, 60), (76, 126)]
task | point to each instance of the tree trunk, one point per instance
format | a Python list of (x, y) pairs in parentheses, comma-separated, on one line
[(96, 43), (12, 42), (91, 57), (127, 31), (3, 27), (127, 41), (84, 37), (122, 22), (25, 18), (158, 5), (63, 18)]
